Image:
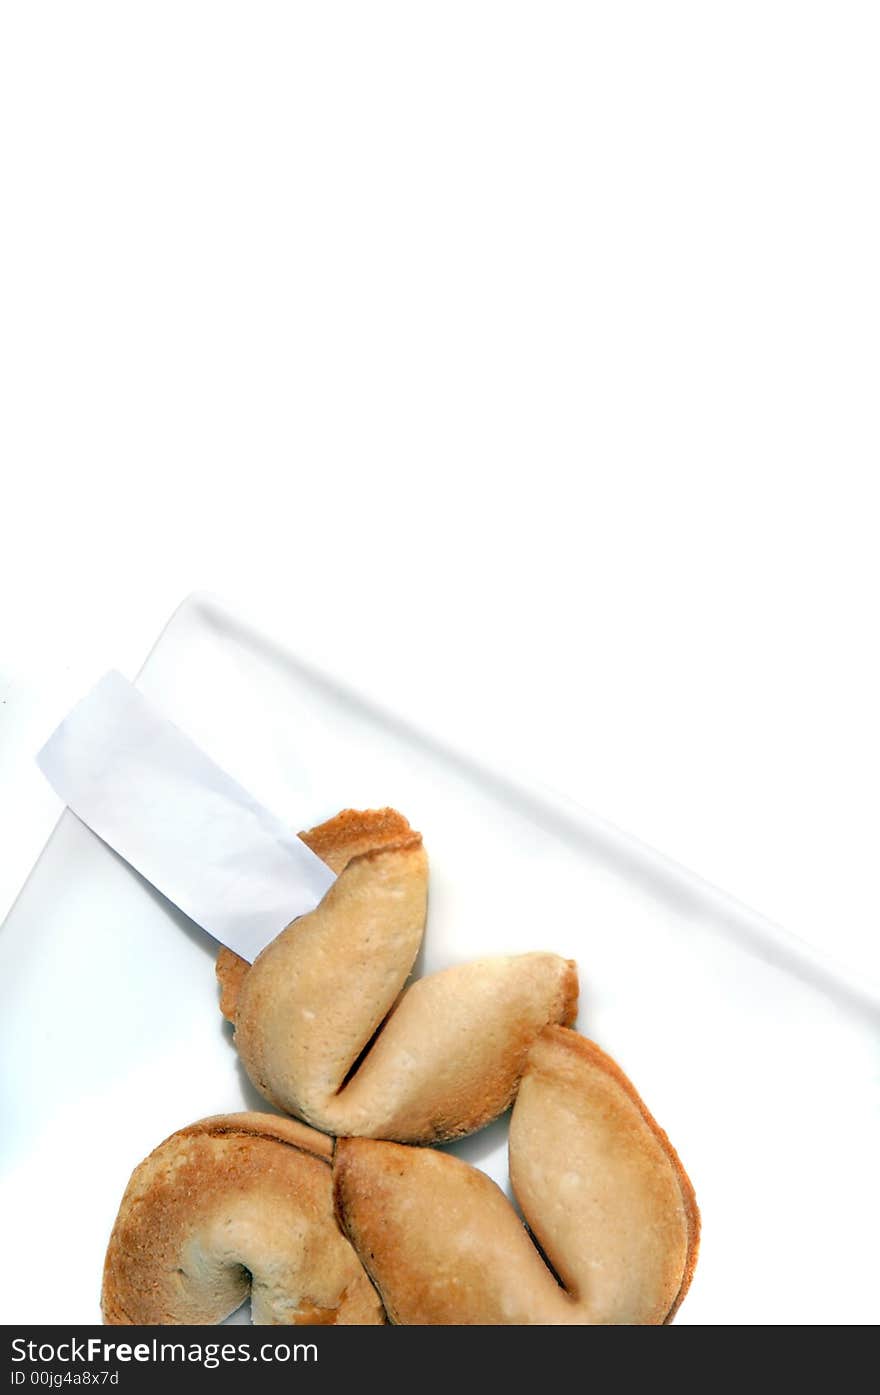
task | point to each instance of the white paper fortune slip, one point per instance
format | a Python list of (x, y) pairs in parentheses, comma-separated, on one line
[(149, 792)]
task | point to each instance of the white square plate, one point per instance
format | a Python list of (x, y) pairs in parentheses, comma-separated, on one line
[(760, 1060)]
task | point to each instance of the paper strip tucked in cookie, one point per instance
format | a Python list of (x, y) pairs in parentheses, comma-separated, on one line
[(196, 835), (600, 1187)]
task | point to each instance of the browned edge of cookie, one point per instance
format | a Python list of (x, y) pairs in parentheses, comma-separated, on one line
[(251, 1124), (350, 827), (570, 994), (339, 1164), (407, 843)]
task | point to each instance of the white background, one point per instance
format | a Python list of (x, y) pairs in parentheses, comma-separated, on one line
[(518, 361)]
